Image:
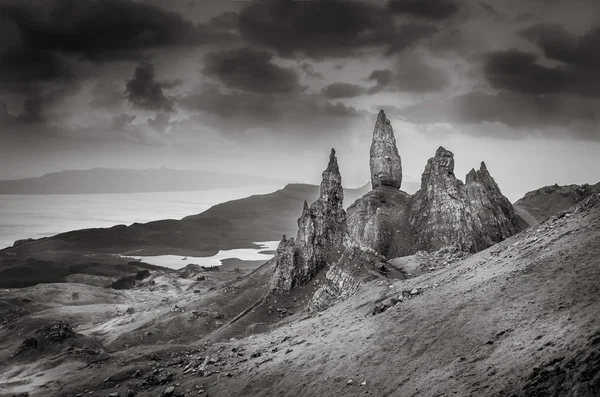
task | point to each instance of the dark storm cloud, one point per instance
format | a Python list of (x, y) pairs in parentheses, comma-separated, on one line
[(238, 105), (160, 122), (309, 71), (342, 90), (144, 92), (21, 69), (168, 84), (382, 78), (296, 114), (227, 20), (325, 29), (412, 75), (520, 71), (102, 29), (580, 116), (557, 43), (429, 9), (250, 70)]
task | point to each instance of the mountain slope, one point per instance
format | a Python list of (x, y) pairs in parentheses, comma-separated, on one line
[(110, 180), (540, 204)]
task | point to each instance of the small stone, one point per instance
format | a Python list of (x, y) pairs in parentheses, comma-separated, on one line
[(363, 383), (130, 393), (114, 394), (415, 291), (168, 391), (350, 382)]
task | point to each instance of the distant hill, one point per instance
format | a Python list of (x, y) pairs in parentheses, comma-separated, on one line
[(540, 204), (234, 224), (112, 180)]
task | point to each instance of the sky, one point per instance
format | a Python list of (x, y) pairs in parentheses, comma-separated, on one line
[(267, 87)]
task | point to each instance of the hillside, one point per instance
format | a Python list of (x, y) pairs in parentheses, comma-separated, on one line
[(517, 319), (110, 180), (234, 224), (540, 204)]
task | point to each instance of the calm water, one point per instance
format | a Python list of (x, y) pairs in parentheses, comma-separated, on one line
[(35, 216), (177, 262)]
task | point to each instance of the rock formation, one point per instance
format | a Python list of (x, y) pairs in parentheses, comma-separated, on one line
[(379, 220), (386, 167), (347, 274), (445, 211), (321, 230)]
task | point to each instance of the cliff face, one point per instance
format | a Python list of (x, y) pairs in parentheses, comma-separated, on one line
[(321, 230), (379, 220), (445, 211)]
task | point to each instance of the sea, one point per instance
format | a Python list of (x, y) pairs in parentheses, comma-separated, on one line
[(36, 216)]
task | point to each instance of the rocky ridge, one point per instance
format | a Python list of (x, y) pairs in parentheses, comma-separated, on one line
[(321, 231), (445, 211)]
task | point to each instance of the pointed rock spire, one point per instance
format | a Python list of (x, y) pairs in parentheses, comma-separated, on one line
[(331, 183), (385, 162), (321, 230)]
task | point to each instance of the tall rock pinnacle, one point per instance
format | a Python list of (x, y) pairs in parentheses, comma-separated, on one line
[(386, 166), (321, 230), (379, 219)]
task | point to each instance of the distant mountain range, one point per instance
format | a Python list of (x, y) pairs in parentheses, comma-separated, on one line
[(112, 180)]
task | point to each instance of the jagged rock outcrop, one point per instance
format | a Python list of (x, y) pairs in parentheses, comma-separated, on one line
[(386, 167), (284, 275), (379, 220), (445, 211), (321, 230), (345, 276)]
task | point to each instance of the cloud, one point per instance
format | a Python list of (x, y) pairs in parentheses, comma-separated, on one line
[(250, 70), (429, 9), (309, 71), (412, 75), (22, 68), (520, 71), (144, 92), (160, 122), (122, 120), (291, 116), (530, 114), (326, 29), (227, 20), (342, 90), (102, 29), (557, 43)]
